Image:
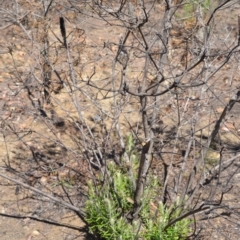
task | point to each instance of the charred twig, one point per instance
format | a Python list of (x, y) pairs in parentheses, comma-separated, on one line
[(63, 31)]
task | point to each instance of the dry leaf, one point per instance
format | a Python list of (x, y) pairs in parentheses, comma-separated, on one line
[(130, 200)]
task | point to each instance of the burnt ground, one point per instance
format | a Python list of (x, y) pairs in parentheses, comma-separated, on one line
[(52, 168)]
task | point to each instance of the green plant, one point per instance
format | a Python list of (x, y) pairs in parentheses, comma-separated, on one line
[(107, 205), (212, 158), (193, 9), (156, 229), (65, 183), (191, 6), (110, 204)]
